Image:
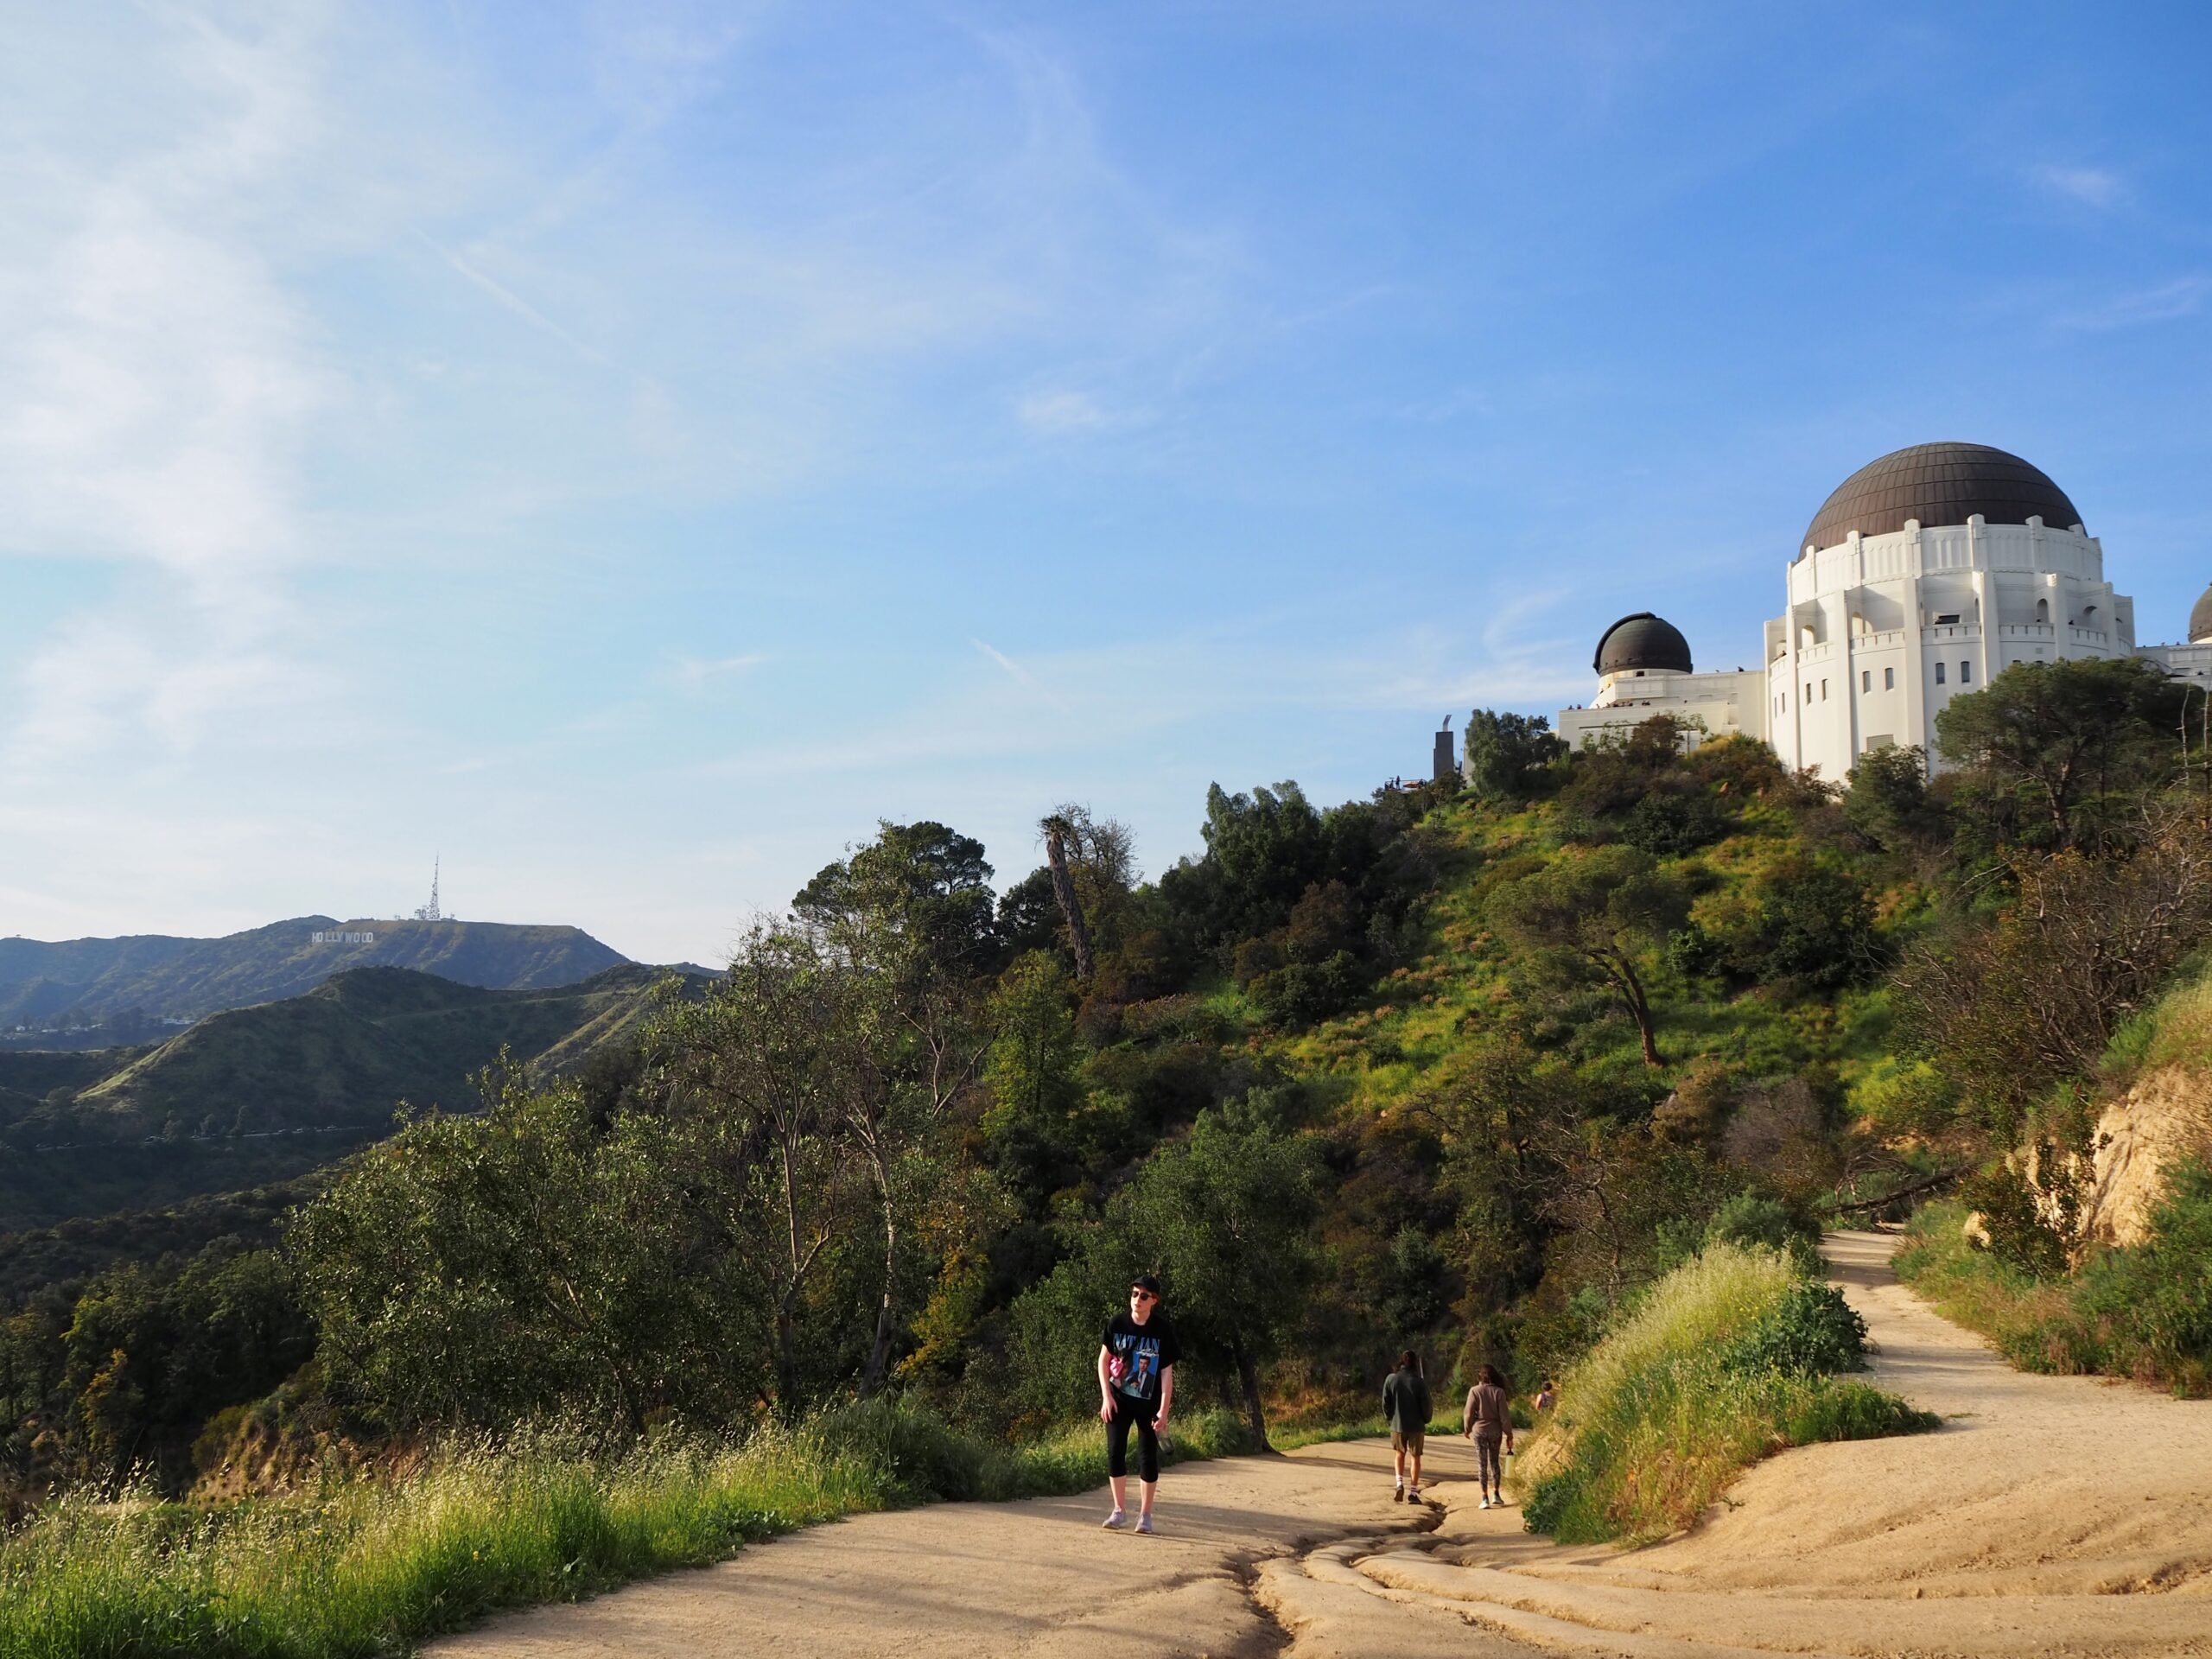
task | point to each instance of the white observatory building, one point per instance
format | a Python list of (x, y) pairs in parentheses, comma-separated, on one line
[(1924, 575)]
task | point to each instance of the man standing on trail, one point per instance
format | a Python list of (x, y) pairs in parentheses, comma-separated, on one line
[(1136, 1384), (1488, 1423), (1406, 1404)]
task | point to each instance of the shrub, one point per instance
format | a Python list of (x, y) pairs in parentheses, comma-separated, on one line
[(2153, 1302), (2018, 1235), (1811, 1331), (1853, 1411)]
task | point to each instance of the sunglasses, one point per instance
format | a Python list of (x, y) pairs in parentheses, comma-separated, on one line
[(1142, 1296)]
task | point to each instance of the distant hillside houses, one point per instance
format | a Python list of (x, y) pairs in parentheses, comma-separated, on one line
[(1925, 573)]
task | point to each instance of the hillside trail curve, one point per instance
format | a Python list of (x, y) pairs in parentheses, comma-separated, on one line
[(2049, 1515)]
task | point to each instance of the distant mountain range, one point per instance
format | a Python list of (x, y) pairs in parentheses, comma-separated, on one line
[(130, 989), (262, 1094)]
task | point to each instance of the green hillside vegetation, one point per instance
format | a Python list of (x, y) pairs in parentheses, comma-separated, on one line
[(80, 981), (262, 1094)]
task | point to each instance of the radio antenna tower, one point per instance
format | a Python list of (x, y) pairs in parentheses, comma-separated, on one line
[(429, 912)]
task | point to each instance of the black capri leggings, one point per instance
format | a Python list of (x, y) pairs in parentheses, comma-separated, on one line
[(1138, 1415)]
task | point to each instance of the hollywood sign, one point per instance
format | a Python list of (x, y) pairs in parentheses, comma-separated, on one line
[(335, 937)]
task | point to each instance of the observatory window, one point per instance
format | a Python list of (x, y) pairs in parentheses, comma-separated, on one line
[(1965, 673), (1947, 618), (1865, 679), (1939, 673), (2043, 610), (1889, 679), (1824, 690)]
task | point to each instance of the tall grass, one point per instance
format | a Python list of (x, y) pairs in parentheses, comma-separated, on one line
[(1722, 1363), (370, 1564)]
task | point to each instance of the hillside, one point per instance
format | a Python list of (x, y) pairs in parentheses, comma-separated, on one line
[(79, 982), (259, 1095)]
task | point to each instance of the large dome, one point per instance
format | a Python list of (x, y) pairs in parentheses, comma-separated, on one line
[(1642, 642), (2200, 620), (1939, 484)]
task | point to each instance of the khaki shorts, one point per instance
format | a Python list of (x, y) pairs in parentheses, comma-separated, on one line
[(1408, 1440)]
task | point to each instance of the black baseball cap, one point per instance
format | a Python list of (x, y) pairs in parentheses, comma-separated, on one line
[(1144, 1281)]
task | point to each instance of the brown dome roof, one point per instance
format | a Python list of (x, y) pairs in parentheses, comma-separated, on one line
[(2200, 620), (1939, 484), (1642, 641)]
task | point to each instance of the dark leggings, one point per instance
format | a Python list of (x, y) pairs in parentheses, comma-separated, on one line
[(1488, 1469), (1139, 1414)]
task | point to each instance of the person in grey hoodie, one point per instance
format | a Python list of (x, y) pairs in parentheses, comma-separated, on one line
[(1406, 1404), (1488, 1422)]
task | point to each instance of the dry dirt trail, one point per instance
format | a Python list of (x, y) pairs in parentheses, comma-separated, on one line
[(2051, 1516)]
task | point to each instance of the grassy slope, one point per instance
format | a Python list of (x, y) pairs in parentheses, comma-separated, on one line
[(1421, 1015), (369, 1565), (1668, 1409)]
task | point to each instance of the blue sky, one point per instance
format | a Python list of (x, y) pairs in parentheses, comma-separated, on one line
[(628, 449)]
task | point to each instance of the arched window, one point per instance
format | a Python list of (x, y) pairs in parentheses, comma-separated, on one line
[(2043, 611)]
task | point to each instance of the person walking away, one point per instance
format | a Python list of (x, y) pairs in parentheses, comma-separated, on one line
[(1546, 1398), (1406, 1405), (1136, 1387), (1487, 1422)]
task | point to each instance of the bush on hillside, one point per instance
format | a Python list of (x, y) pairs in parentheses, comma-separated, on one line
[(1811, 1331)]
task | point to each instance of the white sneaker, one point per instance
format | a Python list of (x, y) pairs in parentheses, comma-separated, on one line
[(1144, 1524), (1485, 1504), (1115, 1522)]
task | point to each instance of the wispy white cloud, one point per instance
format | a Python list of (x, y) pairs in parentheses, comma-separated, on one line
[(513, 302), (2167, 302), (1065, 409), (1020, 675), (2092, 187), (695, 673)]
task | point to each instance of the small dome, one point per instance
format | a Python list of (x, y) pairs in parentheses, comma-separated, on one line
[(1643, 641), (2200, 620), (1939, 484)]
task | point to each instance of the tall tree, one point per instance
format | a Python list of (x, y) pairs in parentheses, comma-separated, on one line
[(770, 1070), (1223, 1217), (1594, 917), (1058, 831), (912, 914), (2065, 740), (1506, 751)]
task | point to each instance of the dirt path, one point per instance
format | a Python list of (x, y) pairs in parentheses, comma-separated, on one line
[(983, 1579), (2051, 1516)]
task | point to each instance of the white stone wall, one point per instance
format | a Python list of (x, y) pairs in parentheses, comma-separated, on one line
[(1883, 630), (1713, 705)]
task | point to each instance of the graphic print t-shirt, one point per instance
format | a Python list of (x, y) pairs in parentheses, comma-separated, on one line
[(1137, 1354)]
